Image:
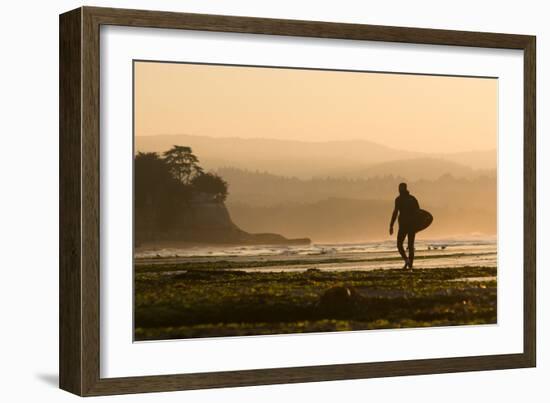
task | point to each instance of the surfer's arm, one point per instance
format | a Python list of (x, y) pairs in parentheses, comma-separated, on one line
[(417, 206), (393, 217)]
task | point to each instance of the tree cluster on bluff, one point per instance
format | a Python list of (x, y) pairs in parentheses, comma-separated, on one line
[(165, 184)]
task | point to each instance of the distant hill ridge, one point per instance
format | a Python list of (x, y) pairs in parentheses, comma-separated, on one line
[(346, 158)]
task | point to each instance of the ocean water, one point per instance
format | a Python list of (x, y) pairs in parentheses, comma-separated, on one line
[(351, 256)]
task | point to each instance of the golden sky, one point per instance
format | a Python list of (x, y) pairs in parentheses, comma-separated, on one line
[(408, 112)]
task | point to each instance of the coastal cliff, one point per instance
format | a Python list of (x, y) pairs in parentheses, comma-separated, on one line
[(176, 202), (201, 220)]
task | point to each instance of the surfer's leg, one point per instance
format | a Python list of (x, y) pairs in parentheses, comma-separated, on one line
[(400, 239), (410, 241)]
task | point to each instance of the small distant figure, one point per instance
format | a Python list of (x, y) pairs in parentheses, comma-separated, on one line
[(406, 206)]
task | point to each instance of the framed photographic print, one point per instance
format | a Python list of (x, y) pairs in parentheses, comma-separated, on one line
[(249, 201)]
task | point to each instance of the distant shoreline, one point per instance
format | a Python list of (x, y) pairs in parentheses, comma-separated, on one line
[(154, 246)]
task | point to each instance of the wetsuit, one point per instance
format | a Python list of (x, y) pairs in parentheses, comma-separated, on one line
[(407, 206)]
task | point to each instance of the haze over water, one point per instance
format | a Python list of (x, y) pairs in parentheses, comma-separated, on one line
[(319, 154)]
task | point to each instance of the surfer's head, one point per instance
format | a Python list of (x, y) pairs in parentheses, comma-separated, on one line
[(403, 188)]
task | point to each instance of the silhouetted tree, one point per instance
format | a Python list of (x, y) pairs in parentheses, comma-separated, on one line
[(163, 187), (212, 184), (158, 196), (183, 164), (151, 174)]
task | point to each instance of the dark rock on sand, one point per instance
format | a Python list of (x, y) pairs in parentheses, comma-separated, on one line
[(339, 299)]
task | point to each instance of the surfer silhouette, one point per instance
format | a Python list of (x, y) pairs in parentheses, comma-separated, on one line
[(407, 207)]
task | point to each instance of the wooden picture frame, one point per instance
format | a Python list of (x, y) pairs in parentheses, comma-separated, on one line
[(79, 346)]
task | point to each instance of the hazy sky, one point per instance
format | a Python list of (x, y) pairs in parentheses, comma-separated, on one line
[(409, 112)]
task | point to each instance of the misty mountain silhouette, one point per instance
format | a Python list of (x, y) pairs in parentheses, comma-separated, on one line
[(355, 158)]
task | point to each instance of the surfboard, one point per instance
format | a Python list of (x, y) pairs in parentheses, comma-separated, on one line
[(422, 220)]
